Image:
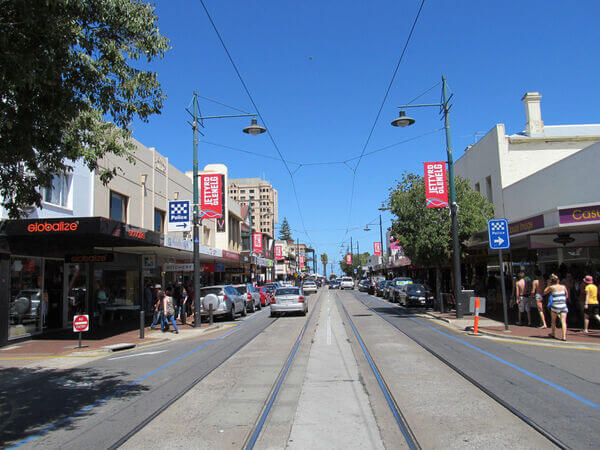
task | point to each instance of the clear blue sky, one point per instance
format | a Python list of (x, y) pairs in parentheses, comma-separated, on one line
[(318, 71)]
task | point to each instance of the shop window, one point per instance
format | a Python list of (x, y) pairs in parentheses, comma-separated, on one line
[(477, 187), (58, 192), (28, 304), (159, 221), (118, 207)]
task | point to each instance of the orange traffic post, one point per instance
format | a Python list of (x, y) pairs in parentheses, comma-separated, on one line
[(476, 326)]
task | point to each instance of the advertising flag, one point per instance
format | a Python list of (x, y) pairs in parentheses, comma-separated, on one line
[(278, 253), (211, 196), (257, 243), (349, 259), (377, 248), (301, 260), (436, 192)]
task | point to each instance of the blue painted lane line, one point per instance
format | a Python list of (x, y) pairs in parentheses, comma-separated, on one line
[(503, 361), (133, 383)]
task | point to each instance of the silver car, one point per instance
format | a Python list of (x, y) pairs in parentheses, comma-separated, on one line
[(225, 299), (251, 294), (288, 299), (309, 287)]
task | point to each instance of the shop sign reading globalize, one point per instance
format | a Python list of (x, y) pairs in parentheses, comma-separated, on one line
[(257, 243), (436, 194), (211, 204)]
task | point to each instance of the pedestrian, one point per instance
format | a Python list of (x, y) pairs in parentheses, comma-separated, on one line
[(558, 304), (591, 302), (158, 314), (183, 307), (168, 309), (537, 289), (522, 299)]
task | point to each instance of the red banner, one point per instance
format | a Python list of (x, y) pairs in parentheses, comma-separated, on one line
[(211, 189), (349, 259), (301, 260), (257, 243), (377, 248), (436, 192), (278, 253)]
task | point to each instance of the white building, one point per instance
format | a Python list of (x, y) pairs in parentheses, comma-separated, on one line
[(544, 181)]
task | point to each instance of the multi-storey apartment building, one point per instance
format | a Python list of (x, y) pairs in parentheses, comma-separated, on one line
[(262, 200)]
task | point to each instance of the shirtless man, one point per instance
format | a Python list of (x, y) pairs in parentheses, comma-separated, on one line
[(537, 291), (522, 300)]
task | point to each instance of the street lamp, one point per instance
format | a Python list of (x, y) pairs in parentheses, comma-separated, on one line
[(253, 129), (403, 121)]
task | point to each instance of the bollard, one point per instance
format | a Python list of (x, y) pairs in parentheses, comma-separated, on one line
[(142, 323), (476, 326), (210, 314)]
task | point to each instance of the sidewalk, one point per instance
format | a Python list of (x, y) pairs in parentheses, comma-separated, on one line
[(495, 328), (65, 344)]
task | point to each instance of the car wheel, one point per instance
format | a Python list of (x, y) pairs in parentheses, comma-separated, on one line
[(244, 312), (259, 306), (232, 313), (253, 309)]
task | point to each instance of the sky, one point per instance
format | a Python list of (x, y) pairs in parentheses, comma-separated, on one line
[(318, 72)]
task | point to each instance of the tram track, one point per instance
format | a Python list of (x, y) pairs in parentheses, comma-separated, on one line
[(525, 418)]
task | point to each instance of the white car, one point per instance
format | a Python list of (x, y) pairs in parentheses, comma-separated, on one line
[(309, 287), (288, 299), (346, 283)]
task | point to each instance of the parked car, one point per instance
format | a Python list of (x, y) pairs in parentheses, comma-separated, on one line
[(252, 296), (346, 283), (397, 284), (364, 285), (309, 287), (225, 299), (399, 294), (265, 296), (381, 286), (334, 284), (418, 295), (289, 299)]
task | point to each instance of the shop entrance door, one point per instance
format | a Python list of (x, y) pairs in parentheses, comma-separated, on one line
[(53, 288)]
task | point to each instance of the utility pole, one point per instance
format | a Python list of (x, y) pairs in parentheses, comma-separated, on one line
[(358, 254), (197, 221)]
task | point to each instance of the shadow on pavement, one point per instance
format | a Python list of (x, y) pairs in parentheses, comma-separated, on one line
[(33, 399)]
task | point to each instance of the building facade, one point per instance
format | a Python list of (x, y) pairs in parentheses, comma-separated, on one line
[(262, 199)]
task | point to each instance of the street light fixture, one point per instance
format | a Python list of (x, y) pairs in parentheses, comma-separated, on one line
[(403, 121), (367, 228), (253, 129)]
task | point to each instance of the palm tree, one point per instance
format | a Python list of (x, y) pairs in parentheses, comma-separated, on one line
[(324, 261)]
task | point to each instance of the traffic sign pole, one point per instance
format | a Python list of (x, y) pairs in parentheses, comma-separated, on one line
[(504, 307), (79, 340)]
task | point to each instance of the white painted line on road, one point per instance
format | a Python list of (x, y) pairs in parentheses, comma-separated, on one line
[(137, 354), (328, 329)]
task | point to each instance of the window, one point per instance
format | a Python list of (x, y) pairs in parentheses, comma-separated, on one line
[(488, 186), (159, 221), (251, 191), (242, 191), (477, 187), (58, 192), (118, 207)]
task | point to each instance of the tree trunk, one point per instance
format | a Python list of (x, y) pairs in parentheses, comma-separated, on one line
[(438, 287)]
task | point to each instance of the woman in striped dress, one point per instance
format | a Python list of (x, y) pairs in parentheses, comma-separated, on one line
[(560, 295)]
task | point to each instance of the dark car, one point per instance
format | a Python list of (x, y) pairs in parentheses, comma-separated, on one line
[(334, 284), (418, 295), (364, 285), (381, 286)]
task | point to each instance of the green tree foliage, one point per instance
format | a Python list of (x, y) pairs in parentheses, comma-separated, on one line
[(66, 68), (424, 233), (285, 232), (357, 262), (324, 261)]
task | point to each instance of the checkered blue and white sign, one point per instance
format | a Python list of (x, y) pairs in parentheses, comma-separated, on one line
[(179, 216), (498, 234)]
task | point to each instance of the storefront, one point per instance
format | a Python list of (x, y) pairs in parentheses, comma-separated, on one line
[(55, 269)]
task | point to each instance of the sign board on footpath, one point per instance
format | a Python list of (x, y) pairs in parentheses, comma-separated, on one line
[(499, 239), (179, 216), (81, 323)]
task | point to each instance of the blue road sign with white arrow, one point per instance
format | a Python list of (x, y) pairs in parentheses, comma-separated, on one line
[(498, 234), (179, 216)]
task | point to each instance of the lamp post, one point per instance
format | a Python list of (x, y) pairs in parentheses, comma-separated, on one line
[(403, 121), (253, 129)]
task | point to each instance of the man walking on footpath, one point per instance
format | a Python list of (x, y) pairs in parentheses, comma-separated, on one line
[(522, 300), (591, 302), (537, 290)]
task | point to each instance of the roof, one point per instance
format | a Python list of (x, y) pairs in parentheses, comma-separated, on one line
[(555, 131)]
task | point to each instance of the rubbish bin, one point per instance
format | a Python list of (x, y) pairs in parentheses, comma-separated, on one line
[(462, 304)]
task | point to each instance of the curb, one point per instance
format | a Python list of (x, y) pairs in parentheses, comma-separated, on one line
[(591, 346)]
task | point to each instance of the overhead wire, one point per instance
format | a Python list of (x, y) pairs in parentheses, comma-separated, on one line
[(239, 75)]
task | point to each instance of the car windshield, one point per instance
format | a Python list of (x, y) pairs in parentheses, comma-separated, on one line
[(205, 291), (287, 291), (309, 283), (241, 289)]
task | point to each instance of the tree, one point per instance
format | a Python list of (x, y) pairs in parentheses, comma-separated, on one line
[(424, 233), (324, 261), (357, 262), (285, 232), (69, 88)]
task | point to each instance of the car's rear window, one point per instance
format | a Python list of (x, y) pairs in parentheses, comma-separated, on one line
[(415, 287), (287, 291), (204, 292), (240, 289)]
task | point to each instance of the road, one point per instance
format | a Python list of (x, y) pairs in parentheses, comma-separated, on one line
[(327, 380)]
